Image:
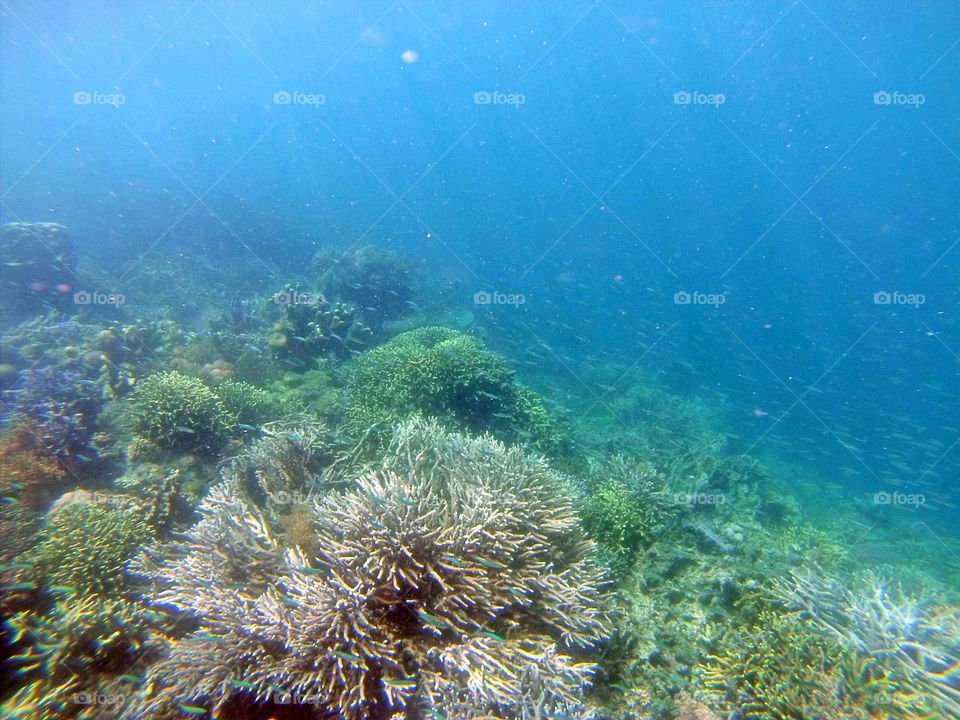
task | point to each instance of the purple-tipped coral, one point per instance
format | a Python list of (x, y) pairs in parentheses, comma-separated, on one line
[(454, 578), (56, 403)]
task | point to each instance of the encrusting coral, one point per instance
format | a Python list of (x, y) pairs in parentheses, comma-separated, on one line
[(454, 579)]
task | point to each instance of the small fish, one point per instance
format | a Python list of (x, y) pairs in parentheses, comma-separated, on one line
[(458, 563), (621, 688), (346, 656), (407, 502), (192, 710), (132, 679), (243, 684), (400, 683), (493, 636), (185, 431), (431, 619), (491, 563)]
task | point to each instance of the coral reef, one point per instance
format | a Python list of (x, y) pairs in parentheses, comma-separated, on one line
[(82, 660), (377, 280), (456, 576), (85, 547), (179, 412), (30, 479), (311, 327), (916, 641), (625, 505), (249, 404), (39, 268), (782, 668), (285, 466), (442, 373), (55, 403)]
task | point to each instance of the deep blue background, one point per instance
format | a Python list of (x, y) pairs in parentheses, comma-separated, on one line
[(598, 198)]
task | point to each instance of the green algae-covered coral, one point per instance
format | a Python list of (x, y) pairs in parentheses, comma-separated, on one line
[(914, 640), (179, 412), (455, 577), (624, 508), (248, 404), (81, 660), (85, 546), (782, 668), (442, 373)]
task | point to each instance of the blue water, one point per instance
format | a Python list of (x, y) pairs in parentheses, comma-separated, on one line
[(753, 205), (598, 197)]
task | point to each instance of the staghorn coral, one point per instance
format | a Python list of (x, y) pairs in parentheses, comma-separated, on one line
[(455, 576), (782, 668), (179, 412), (82, 660), (85, 546), (915, 640), (284, 466)]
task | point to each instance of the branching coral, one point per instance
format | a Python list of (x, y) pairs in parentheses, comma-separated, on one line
[(442, 373), (916, 640), (179, 412), (85, 546), (782, 668), (281, 467), (82, 660), (624, 506), (455, 574), (249, 404)]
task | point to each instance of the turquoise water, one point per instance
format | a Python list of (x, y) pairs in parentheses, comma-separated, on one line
[(697, 267)]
